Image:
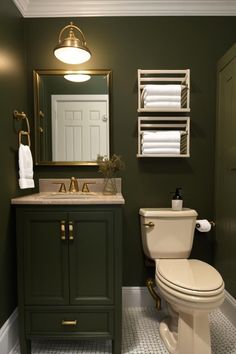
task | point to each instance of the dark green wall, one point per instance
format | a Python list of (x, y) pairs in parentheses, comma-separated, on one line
[(124, 45), (12, 96)]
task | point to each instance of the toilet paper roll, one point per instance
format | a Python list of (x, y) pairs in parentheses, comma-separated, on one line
[(203, 225)]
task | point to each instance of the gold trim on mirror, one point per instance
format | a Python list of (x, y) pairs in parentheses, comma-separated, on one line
[(43, 135)]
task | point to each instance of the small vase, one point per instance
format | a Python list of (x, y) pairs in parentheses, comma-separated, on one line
[(109, 186)]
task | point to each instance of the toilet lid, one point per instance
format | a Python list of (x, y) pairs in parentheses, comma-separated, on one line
[(190, 274)]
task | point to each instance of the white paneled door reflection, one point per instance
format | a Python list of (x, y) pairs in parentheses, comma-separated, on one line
[(80, 127)]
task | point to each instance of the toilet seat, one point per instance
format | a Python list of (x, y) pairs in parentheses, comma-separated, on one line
[(189, 277)]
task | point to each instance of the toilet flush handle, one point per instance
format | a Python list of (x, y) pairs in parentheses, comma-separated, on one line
[(149, 224)]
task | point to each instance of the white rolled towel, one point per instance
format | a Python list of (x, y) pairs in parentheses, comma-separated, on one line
[(160, 136), (147, 151), (167, 98), (25, 167), (203, 225), (162, 104), (168, 89), (162, 144)]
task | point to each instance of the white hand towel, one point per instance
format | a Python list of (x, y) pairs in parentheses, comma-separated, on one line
[(165, 135), (25, 167), (26, 183), (161, 151), (156, 98), (162, 89), (162, 104), (161, 144)]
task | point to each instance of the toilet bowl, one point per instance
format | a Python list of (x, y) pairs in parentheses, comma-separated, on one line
[(190, 287)]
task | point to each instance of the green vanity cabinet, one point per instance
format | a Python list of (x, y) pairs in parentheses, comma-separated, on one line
[(69, 272)]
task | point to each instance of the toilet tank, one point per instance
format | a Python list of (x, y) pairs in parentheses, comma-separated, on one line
[(167, 233)]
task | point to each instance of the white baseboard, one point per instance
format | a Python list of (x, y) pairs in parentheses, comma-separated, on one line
[(136, 296), (229, 308), (9, 334)]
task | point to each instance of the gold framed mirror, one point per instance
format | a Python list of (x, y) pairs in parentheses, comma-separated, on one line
[(72, 116)]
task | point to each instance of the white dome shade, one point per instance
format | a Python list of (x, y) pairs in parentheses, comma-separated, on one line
[(72, 55)]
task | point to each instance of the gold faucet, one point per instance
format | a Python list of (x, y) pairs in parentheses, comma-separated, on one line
[(74, 187)]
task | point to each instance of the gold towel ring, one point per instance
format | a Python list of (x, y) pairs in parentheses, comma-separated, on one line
[(22, 115), (22, 132)]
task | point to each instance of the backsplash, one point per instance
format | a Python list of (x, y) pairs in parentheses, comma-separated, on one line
[(94, 184)]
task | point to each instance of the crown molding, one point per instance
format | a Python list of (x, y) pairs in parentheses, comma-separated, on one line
[(22, 6), (99, 8)]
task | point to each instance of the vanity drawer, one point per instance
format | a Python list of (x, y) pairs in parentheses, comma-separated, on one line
[(85, 322)]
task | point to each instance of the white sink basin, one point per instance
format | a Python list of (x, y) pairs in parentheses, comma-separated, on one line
[(76, 195)]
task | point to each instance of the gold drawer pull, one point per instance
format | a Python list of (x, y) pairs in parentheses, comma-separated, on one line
[(149, 224), (71, 229), (69, 323), (63, 230)]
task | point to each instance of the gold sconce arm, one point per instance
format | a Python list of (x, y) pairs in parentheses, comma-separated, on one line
[(71, 26)]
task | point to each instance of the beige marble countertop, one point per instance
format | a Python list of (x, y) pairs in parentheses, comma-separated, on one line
[(49, 198), (49, 195)]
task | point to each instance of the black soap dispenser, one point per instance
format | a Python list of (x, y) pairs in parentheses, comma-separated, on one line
[(177, 200)]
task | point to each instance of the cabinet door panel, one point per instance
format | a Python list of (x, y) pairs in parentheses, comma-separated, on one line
[(45, 259), (91, 257)]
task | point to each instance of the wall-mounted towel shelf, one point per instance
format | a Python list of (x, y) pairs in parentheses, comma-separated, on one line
[(164, 77), (156, 124)]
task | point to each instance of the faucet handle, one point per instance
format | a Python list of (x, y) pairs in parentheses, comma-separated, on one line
[(62, 188), (85, 188)]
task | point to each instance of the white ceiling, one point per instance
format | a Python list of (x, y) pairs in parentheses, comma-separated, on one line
[(77, 8)]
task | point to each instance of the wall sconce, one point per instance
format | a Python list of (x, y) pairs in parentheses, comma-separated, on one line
[(72, 50)]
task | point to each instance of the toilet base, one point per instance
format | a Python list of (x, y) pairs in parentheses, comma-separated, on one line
[(193, 334)]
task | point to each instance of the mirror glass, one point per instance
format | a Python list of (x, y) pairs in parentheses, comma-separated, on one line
[(71, 118)]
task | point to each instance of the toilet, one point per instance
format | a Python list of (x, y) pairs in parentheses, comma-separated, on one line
[(190, 287)]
